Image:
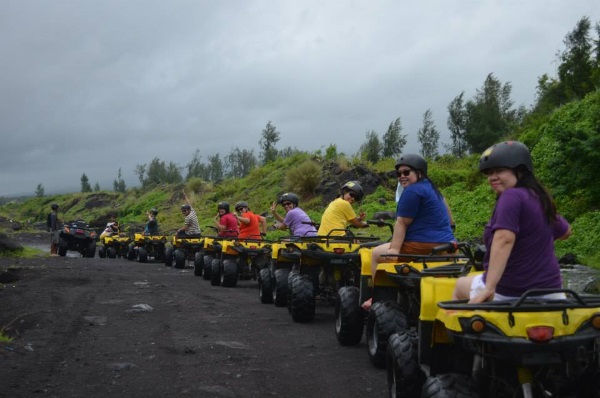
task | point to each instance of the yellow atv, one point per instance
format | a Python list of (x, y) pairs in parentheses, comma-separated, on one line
[(397, 297), (143, 247), (327, 263), (114, 246), (525, 347), (211, 251), (273, 280), (251, 255), (183, 249)]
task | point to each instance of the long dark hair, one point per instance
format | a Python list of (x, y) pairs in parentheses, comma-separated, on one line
[(526, 179), (423, 176)]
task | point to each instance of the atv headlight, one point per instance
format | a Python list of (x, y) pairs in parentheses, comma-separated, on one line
[(595, 321)]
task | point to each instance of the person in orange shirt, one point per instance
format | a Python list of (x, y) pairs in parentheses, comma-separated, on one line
[(251, 225)]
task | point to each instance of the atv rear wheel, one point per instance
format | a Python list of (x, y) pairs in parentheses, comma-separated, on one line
[(384, 319), (265, 286), (90, 251), (404, 375), (349, 316)]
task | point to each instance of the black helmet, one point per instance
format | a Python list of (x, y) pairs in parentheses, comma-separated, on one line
[(54, 206), (224, 206), (186, 207), (154, 211), (509, 154), (355, 187), (288, 197), (416, 162), (241, 204)]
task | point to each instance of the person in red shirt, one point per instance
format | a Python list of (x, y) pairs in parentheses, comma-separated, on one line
[(251, 225), (226, 222)]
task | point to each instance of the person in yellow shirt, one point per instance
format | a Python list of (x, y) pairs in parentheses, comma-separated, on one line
[(340, 214)]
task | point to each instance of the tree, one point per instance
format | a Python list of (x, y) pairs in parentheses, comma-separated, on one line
[(39, 191), (393, 140), (85, 184), (239, 163), (119, 183), (270, 137), (195, 168), (575, 70), (428, 136), (172, 174), (490, 115), (578, 71), (371, 149), (457, 120), (140, 171), (96, 187), (216, 168)]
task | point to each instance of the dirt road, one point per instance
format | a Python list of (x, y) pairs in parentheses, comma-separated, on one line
[(114, 328)]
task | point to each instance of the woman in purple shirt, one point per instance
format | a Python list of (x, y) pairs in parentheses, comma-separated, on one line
[(520, 235), (295, 219)]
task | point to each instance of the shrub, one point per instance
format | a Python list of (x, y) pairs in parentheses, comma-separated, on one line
[(304, 178)]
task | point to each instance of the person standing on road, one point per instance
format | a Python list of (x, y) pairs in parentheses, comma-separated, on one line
[(251, 225), (226, 222), (295, 219), (191, 227), (519, 237), (53, 226), (340, 214), (152, 225)]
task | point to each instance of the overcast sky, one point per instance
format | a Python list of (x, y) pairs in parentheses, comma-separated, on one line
[(94, 86)]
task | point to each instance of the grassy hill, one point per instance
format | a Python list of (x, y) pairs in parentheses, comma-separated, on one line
[(466, 190)]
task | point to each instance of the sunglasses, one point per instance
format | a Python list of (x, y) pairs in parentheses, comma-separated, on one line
[(285, 204), (404, 173), (352, 194), (238, 209)]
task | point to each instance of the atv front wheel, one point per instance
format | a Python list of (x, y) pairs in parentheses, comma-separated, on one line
[(384, 319), (142, 255), (303, 299), (179, 256), (215, 272), (169, 256), (404, 375), (208, 259), (280, 292), (111, 252), (448, 385), (102, 252), (265, 286), (198, 264), (229, 277), (349, 316)]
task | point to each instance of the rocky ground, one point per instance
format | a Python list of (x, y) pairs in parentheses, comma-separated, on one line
[(92, 327)]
